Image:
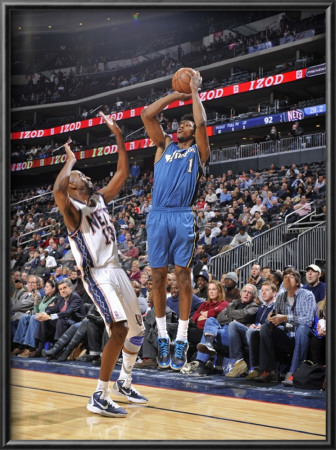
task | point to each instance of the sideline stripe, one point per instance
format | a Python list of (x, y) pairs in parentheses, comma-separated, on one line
[(183, 412)]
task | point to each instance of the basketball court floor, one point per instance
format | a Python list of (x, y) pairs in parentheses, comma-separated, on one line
[(48, 403)]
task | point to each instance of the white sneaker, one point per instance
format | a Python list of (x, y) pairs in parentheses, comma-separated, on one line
[(125, 389), (101, 403)]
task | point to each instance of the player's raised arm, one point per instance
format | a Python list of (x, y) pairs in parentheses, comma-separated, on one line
[(118, 179), (202, 139), (70, 214), (151, 122)]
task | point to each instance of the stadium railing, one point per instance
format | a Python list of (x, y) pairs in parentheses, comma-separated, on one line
[(265, 148)]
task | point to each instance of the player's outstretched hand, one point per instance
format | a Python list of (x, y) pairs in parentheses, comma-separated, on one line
[(70, 154), (195, 80), (111, 123)]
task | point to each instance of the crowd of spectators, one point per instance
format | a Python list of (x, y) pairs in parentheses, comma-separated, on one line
[(230, 209), (237, 206), (65, 87)]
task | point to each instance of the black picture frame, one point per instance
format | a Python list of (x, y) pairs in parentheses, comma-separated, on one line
[(329, 7)]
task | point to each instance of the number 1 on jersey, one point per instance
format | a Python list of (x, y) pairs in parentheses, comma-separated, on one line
[(191, 162)]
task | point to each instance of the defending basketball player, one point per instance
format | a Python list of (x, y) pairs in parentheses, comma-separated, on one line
[(171, 224), (93, 243)]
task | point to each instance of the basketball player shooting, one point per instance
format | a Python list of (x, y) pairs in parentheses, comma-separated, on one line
[(170, 223), (93, 242)]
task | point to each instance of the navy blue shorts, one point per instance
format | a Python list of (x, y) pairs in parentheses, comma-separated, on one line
[(171, 237)]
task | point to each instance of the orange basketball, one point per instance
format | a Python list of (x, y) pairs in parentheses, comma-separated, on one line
[(181, 81)]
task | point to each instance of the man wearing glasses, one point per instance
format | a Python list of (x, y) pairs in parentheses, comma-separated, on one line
[(216, 330)]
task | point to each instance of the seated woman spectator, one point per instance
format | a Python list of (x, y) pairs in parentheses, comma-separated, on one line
[(27, 327), (214, 304), (259, 227), (134, 273)]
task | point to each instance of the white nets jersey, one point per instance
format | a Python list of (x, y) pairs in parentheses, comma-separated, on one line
[(93, 243)]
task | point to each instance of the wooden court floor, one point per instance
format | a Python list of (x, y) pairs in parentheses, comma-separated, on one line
[(47, 406)]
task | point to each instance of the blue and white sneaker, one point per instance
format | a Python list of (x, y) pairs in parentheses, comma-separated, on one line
[(179, 356), (125, 389), (163, 357), (101, 403)]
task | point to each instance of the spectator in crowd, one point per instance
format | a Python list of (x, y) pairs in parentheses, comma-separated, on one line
[(258, 228), (54, 252), (135, 171), (241, 237), (200, 205), (296, 130), (289, 329), (141, 300), (33, 264), (72, 337), (201, 221), (283, 192), (276, 278), (58, 276), (25, 303), (201, 265), (21, 258), (24, 338), (202, 281), (208, 240), (55, 320), (77, 285), (212, 306), (241, 336), (258, 181), (230, 282), (209, 213), (223, 240), (132, 252), (303, 207), (225, 197), (211, 198), (50, 260), (42, 270), (314, 285), (273, 134), (134, 273), (216, 330), (19, 289), (257, 206), (256, 277), (215, 230), (320, 185)]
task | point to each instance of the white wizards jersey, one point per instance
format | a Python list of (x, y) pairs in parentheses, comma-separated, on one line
[(93, 242)]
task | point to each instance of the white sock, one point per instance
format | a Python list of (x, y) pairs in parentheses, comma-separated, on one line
[(182, 330), (128, 362), (102, 385), (162, 327)]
